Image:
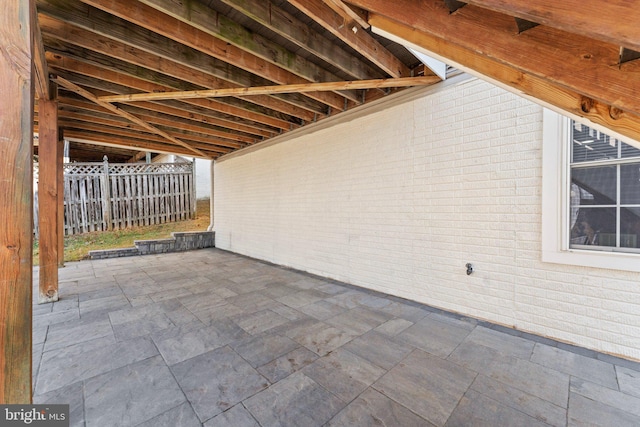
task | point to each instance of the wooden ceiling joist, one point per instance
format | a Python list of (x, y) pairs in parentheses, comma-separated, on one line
[(80, 91), (103, 39), (188, 35), (614, 22), (40, 67), (565, 99), (288, 26), (358, 84), (217, 109), (216, 24), (359, 40), (349, 13), (107, 139), (475, 38)]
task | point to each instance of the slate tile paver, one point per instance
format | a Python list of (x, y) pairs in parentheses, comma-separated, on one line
[(478, 410), (393, 327), (72, 395), (295, 401), (261, 321), (587, 412), (606, 396), (427, 385), (312, 352), (434, 336), (189, 344), (628, 380), (506, 344), (287, 364), (343, 373), (319, 337), (358, 320), (215, 381), (574, 364), (372, 408), (237, 416), (88, 359), (378, 349), (540, 381), (131, 394), (262, 349), (180, 416), (520, 400)]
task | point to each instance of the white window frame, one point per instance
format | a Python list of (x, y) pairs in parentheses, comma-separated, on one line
[(556, 136)]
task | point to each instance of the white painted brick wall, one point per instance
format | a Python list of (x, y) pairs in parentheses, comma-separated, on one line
[(400, 200)]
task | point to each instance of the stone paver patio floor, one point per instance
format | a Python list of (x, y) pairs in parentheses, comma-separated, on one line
[(216, 339)]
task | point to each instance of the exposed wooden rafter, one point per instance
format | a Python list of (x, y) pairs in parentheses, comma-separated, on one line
[(80, 91), (286, 25), (303, 88), (613, 22), (359, 40), (115, 38), (40, 67), (568, 100), (567, 70), (216, 24), (349, 13), (168, 26)]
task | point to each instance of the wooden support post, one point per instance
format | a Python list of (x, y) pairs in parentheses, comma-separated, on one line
[(16, 200), (60, 178), (48, 199)]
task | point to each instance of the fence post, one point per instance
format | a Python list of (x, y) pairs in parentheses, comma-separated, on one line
[(193, 188), (106, 193)]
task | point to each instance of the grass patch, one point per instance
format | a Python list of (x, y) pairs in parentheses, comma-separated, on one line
[(77, 247)]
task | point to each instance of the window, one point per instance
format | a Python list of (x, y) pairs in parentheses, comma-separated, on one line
[(590, 196), (604, 197)]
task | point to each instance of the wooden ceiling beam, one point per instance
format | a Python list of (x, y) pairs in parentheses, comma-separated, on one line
[(40, 68), (613, 22), (83, 122), (203, 143), (85, 112), (131, 143), (79, 125), (201, 118), (210, 108), (148, 116), (569, 61), (291, 28), (80, 91), (349, 13), (358, 84), (570, 101), (220, 26), (176, 123), (66, 102), (361, 41), (106, 43), (179, 31)]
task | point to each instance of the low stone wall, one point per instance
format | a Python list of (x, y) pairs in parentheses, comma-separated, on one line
[(180, 241)]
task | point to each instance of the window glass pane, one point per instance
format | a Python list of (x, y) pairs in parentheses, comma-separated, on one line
[(629, 151), (630, 227), (593, 185), (630, 184), (590, 145), (594, 226)]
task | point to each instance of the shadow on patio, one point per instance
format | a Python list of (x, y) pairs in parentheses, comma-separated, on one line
[(211, 337)]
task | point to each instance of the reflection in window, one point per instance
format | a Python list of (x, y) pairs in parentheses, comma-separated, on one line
[(605, 192)]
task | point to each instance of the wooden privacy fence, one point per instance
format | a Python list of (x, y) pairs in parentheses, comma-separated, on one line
[(104, 196)]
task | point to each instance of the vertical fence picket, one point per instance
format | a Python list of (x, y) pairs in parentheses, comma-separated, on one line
[(103, 196)]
